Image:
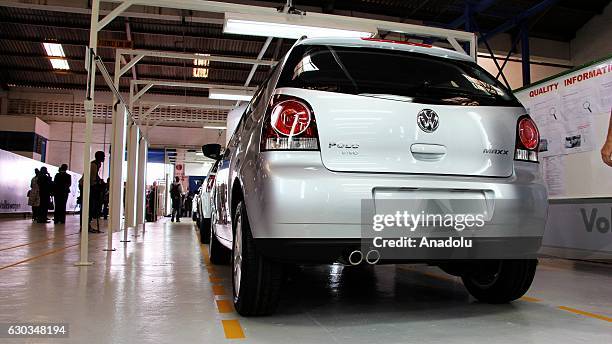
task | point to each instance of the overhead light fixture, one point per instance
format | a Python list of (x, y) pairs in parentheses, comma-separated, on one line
[(229, 94), (199, 71), (217, 127), (54, 49), (59, 64), (290, 26), (57, 55)]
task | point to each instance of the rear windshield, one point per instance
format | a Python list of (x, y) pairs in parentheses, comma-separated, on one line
[(393, 74)]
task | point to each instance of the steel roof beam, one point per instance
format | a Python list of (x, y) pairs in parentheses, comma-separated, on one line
[(511, 23), (475, 9), (191, 84)]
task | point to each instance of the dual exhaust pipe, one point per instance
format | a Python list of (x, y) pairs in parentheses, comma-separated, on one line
[(356, 257)]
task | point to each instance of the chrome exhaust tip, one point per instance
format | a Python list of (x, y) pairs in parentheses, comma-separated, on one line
[(355, 257), (372, 257)]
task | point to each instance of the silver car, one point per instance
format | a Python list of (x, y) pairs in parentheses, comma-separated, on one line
[(342, 125), (204, 203)]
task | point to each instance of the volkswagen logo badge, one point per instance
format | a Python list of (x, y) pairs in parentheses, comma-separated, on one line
[(428, 121)]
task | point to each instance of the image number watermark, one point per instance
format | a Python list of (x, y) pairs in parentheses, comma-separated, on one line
[(34, 330)]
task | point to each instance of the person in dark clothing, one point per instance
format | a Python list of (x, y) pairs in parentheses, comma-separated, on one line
[(176, 192), (61, 183), (187, 206), (95, 191), (34, 195), (151, 203), (45, 188)]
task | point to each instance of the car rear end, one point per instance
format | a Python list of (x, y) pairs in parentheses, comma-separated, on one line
[(354, 124), (205, 208)]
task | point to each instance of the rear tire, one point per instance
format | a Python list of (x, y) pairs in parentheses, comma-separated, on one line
[(500, 281), (256, 280), (217, 253), (204, 231)]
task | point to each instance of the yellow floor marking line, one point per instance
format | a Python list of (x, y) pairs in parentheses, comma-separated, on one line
[(529, 299), (225, 306), (35, 242), (232, 329), (586, 314), (39, 256), (218, 289), (48, 253)]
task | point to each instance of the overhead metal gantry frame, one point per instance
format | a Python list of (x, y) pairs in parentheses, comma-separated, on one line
[(121, 109), (521, 21), (135, 188)]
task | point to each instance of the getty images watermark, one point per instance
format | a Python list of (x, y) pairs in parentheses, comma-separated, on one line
[(410, 223)]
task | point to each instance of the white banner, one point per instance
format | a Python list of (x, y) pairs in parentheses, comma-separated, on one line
[(16, 172), (564, 108)]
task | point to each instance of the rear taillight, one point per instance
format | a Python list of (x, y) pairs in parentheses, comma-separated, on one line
[(289, 125), (527, 140), (210, 183)]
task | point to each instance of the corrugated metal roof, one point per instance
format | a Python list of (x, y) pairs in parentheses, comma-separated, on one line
[(23, 60)]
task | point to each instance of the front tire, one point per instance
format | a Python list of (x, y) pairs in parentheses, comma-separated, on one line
[(500, 281), (204, 231), (256, 280), (217, 253)]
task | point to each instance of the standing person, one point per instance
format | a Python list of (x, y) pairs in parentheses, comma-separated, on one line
[(96, 189), (45, 188), (176, 191), (95, 193), (34, 195), (187, 207), (61, 183)]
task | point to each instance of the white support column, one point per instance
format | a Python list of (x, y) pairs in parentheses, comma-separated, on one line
[(116, 182), (132, 170), (89, 108), (119, 123), (143, 149)]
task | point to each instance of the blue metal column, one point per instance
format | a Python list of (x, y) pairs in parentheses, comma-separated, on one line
[(525, 53), (467, 15)]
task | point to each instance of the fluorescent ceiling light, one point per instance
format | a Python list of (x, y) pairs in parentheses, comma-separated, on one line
[(199, 71), (228, 94), (215, 127), (54, 49), (288, 26), (59, 64)]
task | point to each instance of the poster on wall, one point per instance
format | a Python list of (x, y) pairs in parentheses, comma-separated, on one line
[(15, 183), (564, 107), (554, 175)]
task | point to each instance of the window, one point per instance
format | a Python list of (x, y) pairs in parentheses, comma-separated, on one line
[(403, 75)]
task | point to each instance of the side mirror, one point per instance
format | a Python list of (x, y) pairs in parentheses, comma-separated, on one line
[(212, 150)]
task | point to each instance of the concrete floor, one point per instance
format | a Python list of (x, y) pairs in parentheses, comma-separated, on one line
[(159, 288)]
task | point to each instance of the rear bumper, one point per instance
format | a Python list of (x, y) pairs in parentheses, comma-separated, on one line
[(327, 251), (292, 198)]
